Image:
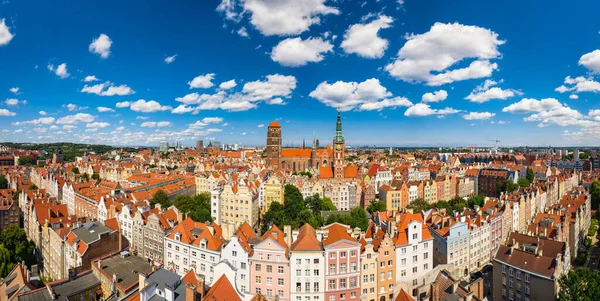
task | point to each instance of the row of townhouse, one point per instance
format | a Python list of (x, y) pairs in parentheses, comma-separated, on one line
[(331, 263), (443, 188)]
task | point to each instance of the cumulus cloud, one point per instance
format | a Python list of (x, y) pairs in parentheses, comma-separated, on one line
[(591, 61), (60, 70), (5, 35), (579, 84), (428, 57), (14, 102), (15, 90), (295, 52), (43, 113), (77, 118), (367, 95), (478, 115), (182, 109), (151, 124), (486, 92), (436, 96), (170, 59), (97, 125), (5, 113), (276, 85), (261, 125), (104, 109), (230, 84), (122, 104), (529, 105), (363, 39), (243, 32), (423, 109), (39, 121), (147, 106), (90, 78), (202, 81), (281, 17), (101, 46), (108, 89)]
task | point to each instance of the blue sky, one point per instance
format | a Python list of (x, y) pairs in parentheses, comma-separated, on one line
[(416, 73)]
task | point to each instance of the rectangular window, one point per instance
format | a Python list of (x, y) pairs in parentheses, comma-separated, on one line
[(332, 284), (280, 269), (257, 268), (269, 269)]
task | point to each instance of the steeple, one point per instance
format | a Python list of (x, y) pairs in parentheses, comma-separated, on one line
[(339, 136)]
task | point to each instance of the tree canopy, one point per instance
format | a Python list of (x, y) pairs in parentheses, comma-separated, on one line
[(455, 204), (530, 175), (197, 206), (160, 197), (3, 182), (356, 218), (376, 206), (296, 211), (96, 176), (595, 194), (579, 284), (15, 248)]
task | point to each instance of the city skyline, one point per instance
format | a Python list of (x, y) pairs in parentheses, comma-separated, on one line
[(403, 73)]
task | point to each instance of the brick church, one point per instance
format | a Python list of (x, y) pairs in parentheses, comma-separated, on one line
[(328, 161)]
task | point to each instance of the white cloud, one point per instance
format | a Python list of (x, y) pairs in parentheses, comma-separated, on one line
[(228, 85), (39, 121), (97, 125), (151, 124), (363, 39), (423, 109), (73, 107), (295, 52), (19, 131), (14, 102), (142, 117), (90, 78), (591, 60), (108, 89), (60, 70), (367, 95), (101, 46), (69, 127), (43, 113), (563, 116), (104, 109), (243, 32), (281, 17), (427, 57), (579, 84), (15, 90), (261, 126), (244, 134), (73, 119), (573, 96), (182, 109), (482, 96), (275, 86), (5, 35), (147, 106), (123, 104), (478, 115), (5, 112), (436, 96), (170, 59), (530, 105), (202, 81)]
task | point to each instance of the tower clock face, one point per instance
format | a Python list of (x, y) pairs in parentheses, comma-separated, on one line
[(338, 147)]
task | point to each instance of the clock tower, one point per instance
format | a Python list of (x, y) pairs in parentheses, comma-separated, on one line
[(338, 150)]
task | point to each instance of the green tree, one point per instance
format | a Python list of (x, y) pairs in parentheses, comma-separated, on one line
[(579, 284), (328, 205), (376, 206), (6, 264), (75, 170), (160, 197), (96, 176), (419, 205), (197, 206), (523, 182), (85, 177), (3, 182), (16, 242), (356, 218), (478, 200), (595, 194), (32, 187), (26, 161), (530, 175)]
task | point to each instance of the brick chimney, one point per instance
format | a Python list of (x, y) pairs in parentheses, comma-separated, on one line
[(190, 292)]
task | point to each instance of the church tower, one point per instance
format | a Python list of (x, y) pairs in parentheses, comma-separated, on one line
[(274, 144), (338, 150)]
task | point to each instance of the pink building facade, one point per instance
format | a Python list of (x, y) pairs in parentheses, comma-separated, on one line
[(270, 267), (342, 269)]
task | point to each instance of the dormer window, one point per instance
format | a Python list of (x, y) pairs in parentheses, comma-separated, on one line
[(178, 236)]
